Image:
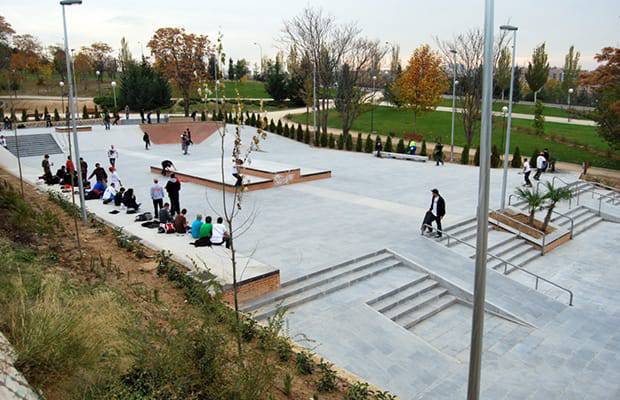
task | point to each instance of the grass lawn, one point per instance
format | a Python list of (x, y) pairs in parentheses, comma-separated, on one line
[(437, 124), (247, 89), (231, 106), (521, 109)]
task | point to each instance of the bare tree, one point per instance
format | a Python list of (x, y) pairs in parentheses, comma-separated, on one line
[(469, 57)]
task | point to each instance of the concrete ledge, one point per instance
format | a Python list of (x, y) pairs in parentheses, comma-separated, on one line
[(69, 129), (399, 156)]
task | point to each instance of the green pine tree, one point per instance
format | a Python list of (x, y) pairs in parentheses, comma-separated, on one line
[(84, 112), (400, 147), (46, 112), (477, 157), (56, 115), (307, 136), (423, 151), (97, 113), (331, 141), (317, 138), (340, 143), (220, 115), (324, 139), (272, 126), (369, 145), (203, 116), (359, 143), (495, 160), (348, 142), (253, 120), (516, 162), (465, 155), (279, 128), (25, 115), (300, 133), (388, 145), (534, 157), (37, 117), (286, 132), (539, 119)]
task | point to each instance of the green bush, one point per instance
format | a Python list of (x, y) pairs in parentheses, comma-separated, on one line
[(24, 116), (369, 146), (253, 120), (534, 157), (279, 128), (37, 117), (388, 145), (56, 115), (203, 116), (272, 127), (348, 142), (477, 157), (495, 160), (539, 119), (423, 151), (46, 111), (307, 136), (97, 113), (300, 133), (327, 380), (400, 147), (317, 138), (465, 155), (331, 141), (359, 143), (516, 161), (304, 363), (84, 112), (286, 132), (324, 139), (340, 143), (105, 102)]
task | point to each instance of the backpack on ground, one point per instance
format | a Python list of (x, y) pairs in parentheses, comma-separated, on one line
[(146, 216)]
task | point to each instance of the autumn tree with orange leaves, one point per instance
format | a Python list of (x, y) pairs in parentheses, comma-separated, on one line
[(422, 83), (605, 82), (180, 56)]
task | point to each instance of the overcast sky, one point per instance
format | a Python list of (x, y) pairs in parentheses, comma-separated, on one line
[(588, 24)]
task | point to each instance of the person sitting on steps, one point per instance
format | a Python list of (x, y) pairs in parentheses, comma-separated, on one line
[(129, 201), (180, 222), (109, 194), (219, 234), (206, 230), (196, 226), (118, 199)]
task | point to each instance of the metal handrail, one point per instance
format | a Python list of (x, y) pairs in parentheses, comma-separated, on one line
[(572, 221), (544, 236), (562, 180), (506, 263), (510, 198)]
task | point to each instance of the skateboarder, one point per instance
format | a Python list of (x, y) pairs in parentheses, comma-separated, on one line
[(435, 213)]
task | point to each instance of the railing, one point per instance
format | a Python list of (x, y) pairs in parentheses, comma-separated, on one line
[(572, 221), (510, 198), (506, 263), (544, 236)]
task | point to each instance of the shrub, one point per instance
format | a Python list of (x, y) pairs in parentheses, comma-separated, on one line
[(477, 157), (56, 115), (203, 116), (304, 363), (317, 138), (327, 381), (283, 349), (369, 145), (46, 111), (324, 139), (279, 128), (248, 329), (388, 145), (287, 385), (97, 113), (37, 117), (265, 123), (307, 136), (358, 391), (286, 131), (340, 143), (348, 142), (359, 143), (220, 115), (465, 155), (423, 151), (534, 157), (539, 119), (400, 147), (331, 141), (516, 162), (84, 112), (253, 119), (495, 160), (272, 127), (300, 133), (24, 116)]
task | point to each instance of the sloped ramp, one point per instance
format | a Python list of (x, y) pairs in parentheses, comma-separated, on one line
[(33, 145)]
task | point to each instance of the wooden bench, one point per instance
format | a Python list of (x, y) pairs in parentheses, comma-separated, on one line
[(400, 156)]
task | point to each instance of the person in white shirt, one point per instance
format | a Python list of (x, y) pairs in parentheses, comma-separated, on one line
[(541, 163), (109, 194), (527, 170), (219, 235), (112, 155), (157, 195), (114, 178), (235, 172)]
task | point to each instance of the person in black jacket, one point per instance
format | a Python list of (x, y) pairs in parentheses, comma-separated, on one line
[(99, 174), (173, 187), (435, 213), (129, 200)]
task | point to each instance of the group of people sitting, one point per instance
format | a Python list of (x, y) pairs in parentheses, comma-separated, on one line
[(206, 233)]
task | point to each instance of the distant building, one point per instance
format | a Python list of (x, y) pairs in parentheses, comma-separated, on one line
[(556, 74)]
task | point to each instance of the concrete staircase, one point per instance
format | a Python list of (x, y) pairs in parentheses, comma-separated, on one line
[(414, 302), (321, 283), (583, 219), (33, 145)]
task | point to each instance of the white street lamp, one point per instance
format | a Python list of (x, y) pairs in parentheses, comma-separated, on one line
[(98, 73), (62, 97), (261, 57), (372, 110), (454, 82), (76, 146), (570, 91), (512, 29), (113, 83)]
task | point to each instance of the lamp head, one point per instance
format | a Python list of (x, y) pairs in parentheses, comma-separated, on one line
[(571, 90), (70, 2), (508, 28), (374, 77), (61, 83), (453, 51), (504, 109), (113, 83)]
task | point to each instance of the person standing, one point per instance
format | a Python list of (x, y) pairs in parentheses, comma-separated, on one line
[(148, 117), (47, 168), (147, 140), (540, 166), (126, 112), (435, 213), (236, 174), (69, 165), (158, 115), (157, 195), (527, 170), (142, 115), (83, 168), (378, 146), (106, 121), (438, 153), (112, 155), (184, 143), (173, 187), (99, 174)]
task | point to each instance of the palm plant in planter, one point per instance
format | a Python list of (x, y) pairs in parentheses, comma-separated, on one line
[(534, 201), (554, 196)]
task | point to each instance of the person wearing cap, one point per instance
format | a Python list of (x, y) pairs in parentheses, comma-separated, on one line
[(435, 213)]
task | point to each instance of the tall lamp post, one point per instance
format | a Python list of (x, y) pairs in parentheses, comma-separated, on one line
[(98, 73), (113, 83), (372, 110), (260, 48), (454, 83), (570, 91), (314, 96), (504, 111), (62, 97), (512, 29), (477, 329), (76, 146)]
